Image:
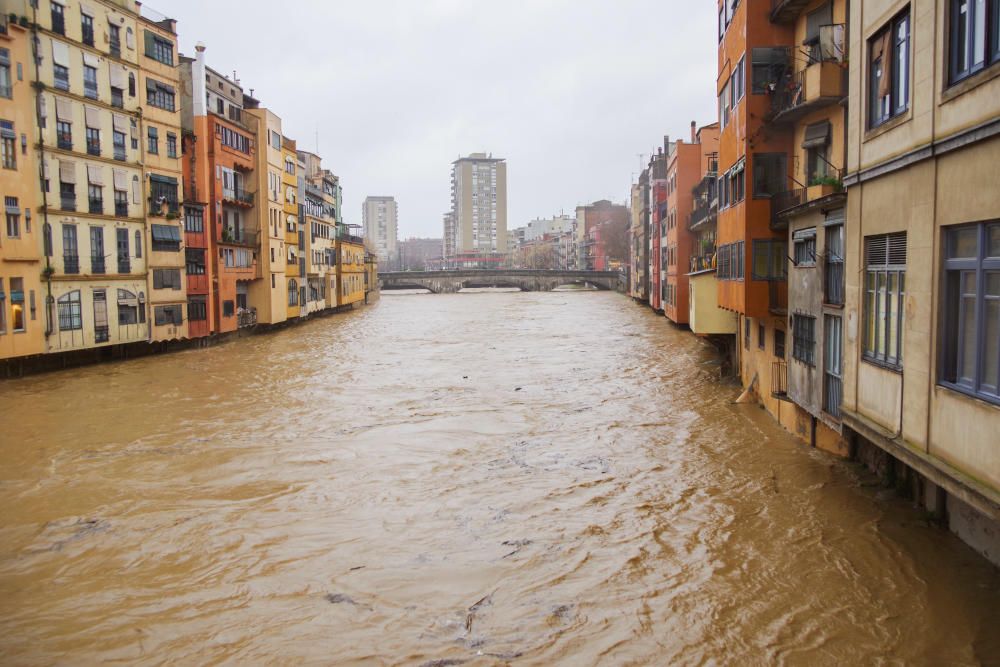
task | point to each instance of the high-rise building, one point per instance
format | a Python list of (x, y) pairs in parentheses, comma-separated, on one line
[(381, 229), (417, 254), (478, 212)]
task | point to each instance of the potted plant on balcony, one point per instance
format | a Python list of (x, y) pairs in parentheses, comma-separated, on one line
[(823, 187)]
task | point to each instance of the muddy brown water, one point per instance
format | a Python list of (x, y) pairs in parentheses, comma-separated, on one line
[(471, 479)]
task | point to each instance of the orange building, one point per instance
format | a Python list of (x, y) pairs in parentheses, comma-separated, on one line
[(686, 162), (219, 175), (753, 166)]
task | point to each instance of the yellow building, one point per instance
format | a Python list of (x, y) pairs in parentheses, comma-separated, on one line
[(921, 377), (22, 295), (160, 140), (270, 295), (319, 210), (295, 268), (91, 154), (350, 269), (371, 276)]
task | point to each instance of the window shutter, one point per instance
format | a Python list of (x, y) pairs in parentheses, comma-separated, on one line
[(875, 250), (897, 249), (147, 38)]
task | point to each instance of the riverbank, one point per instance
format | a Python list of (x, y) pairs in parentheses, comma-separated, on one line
[(20, 367)]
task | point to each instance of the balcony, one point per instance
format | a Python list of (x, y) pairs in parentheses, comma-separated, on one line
[(58, 23), (784, 201), (779, 380), (90, 89), (157, 204), (64, 140), (124, 265), (93, 147), (95, 205), (87, 35), (67, 202), (60, 80), (237, 196), (239, 237), (115, 47), (117, 98), (786, 11), (71, 264), (246, 318), (120, 153), (121, 209), (799, 93)]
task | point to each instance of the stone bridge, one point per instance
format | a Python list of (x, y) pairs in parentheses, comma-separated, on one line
[(528, 280)]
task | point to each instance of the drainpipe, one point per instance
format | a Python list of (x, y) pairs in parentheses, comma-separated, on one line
[(49, 299)]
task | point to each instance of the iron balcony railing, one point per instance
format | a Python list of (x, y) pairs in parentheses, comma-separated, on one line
[(101, 334), (87, 35), (93, 147), (97, 265), (58, 23), (117, 98), (71, 264), (120, 153), (121, 209), (124, 265), (239, 237), (61, 80), (64, 140), (95, 205), (67, 202), (238, 195), (157, 204)]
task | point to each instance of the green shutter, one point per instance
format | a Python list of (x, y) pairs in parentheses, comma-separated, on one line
[(148, 38)]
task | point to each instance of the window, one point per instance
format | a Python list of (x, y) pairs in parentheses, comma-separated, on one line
[(166, 238), (805, 247), (154, 140), (158, 48), (769, 174), (885, 276), (193, 219), (71, 258), (6, 85), (159, 95), (171, 144), (817, 145), (833, 278), (168, 315), (8, 145), (60, 76), (87, 29), (889, 71), (124, 262), (58, 14), (767, 64), (804, 339), (101, 331), (114, 39), (293, 292), (275, 140), (129, 311), (64, 135), (195, 261), (970, 350), (746, 332), (138, 243), (17, 304), (724, 107), (228, 308), (738, 82), (93, 141), (974, 37), (121, 203), (832, 364), (3, 309), (769, 259), (118, 143), (234, 140), (162, 192), (761, 336), (736, 183), (13, 216), (197, 310), (131, 85), (779, 343), (70, 311), (90, 82), (95, 199)]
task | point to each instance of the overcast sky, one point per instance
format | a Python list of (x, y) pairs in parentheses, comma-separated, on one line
[(568, 91)]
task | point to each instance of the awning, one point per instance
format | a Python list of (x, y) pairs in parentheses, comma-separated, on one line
[(60, 53), (86, 9), (166, 233), (95, 174), (92, 116), (166, 180), (91, 60), (153, 85), (804, 234), (817, 135), (67, 171), (120, 123), (126, 298), (7, 131), (118, 75), (64, 110), (153, 132), (120, 179)]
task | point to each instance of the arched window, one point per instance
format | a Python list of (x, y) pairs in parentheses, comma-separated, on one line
[(293, 293), (70, 311), (131, 84)]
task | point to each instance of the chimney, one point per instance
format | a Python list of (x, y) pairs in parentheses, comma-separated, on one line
[(694, 133), (666, 142), (199, 93)]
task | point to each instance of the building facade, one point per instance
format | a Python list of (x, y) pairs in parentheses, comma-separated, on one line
[(320, 207), (921, 357), (639, 247), (475, 229), (379, 218)]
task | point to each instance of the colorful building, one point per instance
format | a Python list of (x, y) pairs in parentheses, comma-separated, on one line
[(220, 170), (657, 212), (24, 318), (351, 268), (639, 248), (320, 208), (753, 160), (295, 261), (161, 142)]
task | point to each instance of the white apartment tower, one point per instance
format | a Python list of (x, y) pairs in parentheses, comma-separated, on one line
[(379, 217), (478, 214)]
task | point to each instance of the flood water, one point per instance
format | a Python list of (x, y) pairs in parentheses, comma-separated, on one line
[(480, 479)]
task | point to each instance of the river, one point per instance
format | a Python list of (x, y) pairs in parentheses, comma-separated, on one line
[(536, 478)]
